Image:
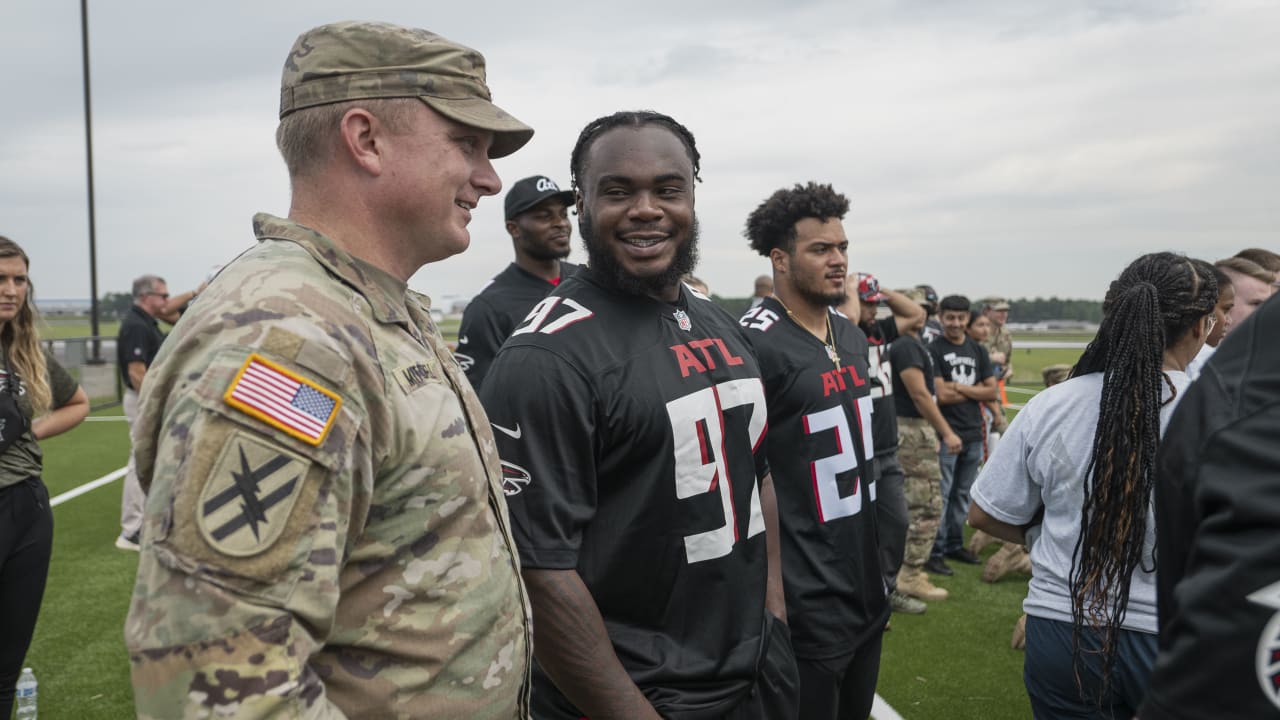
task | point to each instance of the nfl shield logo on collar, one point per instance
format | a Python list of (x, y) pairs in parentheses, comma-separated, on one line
[(682, 319)]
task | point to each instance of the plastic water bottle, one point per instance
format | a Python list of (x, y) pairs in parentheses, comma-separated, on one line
[(26, 695)]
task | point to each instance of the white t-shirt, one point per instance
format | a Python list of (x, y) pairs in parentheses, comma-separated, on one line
[(1197, 363), (1041, 460)]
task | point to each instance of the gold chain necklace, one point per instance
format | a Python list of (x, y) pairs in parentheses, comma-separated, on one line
[(829, 342)]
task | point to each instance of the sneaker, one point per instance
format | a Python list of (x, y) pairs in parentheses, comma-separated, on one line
[(900, 602), (128, 543), (964, 556), (936, 566), (916, 584)]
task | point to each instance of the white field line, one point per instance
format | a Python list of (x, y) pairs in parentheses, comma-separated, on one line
[(106, 418), (1024, 391), (92, 485), (880, 710)]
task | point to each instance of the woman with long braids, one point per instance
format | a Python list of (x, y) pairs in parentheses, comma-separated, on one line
[(1073, 478), (38, 399)]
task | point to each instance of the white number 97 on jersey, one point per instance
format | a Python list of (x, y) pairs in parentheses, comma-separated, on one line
[(698, 432)]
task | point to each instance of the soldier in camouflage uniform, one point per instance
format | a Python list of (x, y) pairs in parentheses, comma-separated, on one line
[(325, 531), (999, 346), (920, 425)]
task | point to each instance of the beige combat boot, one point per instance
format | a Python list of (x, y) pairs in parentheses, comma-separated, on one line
[(915, 582), (1010, 558), (979, 541)]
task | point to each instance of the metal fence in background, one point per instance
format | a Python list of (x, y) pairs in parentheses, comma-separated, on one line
[(99, 377)]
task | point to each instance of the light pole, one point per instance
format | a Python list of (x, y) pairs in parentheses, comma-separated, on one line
[(96, 356)]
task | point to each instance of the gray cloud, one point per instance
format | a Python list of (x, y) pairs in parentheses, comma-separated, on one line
[(1019, 147)]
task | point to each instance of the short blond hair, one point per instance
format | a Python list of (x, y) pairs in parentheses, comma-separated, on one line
[(308, 138), (1248, 268)]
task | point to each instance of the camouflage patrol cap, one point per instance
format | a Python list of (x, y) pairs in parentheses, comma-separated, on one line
[(357, 60), (1054, 374), (915, 295)]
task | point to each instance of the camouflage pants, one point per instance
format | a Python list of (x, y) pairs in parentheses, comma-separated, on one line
[(918, 453)]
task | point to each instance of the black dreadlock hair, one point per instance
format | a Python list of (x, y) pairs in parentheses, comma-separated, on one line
[(773, 223), (628, 118), (1156, 300)]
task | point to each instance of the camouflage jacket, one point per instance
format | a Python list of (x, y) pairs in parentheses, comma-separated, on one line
[(1000, 341), (325, 532)]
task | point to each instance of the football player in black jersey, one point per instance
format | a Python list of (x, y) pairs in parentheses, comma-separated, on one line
[(817, 383), (630, 419), (537, 213)]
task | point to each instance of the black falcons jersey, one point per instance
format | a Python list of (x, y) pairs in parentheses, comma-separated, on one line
[(495, 312), (1217, 508), (820, 452), (880, 333), (631, 434)]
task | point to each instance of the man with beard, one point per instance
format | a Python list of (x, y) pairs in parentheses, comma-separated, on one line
[(537, 213), (816, 381), (632, 422)]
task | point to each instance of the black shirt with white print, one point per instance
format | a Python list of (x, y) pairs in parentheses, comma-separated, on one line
[(963, 364)]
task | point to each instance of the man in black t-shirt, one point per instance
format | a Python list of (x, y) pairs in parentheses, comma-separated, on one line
[(537, 213), (630, 418), (888, 492), (817, 382), (136, 346), (1217, 507), (964, 382), (920, 425)]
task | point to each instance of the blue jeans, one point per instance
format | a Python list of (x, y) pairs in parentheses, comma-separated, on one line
[(958, 474), (1050, 678)]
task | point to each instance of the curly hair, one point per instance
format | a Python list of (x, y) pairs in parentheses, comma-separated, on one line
[(22, 342), (1154, 303), (773, 223), (634, 119)]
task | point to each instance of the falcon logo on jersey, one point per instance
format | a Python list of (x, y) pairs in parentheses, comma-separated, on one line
[(687, 355), (682, 319), (514, 478), (1268, 653)]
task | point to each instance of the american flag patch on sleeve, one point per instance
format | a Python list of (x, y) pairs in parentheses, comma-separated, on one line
[(283, 399)]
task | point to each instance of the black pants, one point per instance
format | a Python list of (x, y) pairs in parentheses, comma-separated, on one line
[(842, 688), (26, 541), (774, 694), (892, 517)]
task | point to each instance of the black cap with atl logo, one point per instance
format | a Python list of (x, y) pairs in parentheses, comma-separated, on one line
[(531, 191)]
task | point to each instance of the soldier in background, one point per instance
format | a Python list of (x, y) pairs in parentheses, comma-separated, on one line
[(999, 347), (324, 517), (537, 213), (920, 427)]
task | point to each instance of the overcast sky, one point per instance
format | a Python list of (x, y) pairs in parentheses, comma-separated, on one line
[(1029, 147)]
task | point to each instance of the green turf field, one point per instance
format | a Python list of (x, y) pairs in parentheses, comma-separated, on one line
[(952, 662), (69, 327)]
